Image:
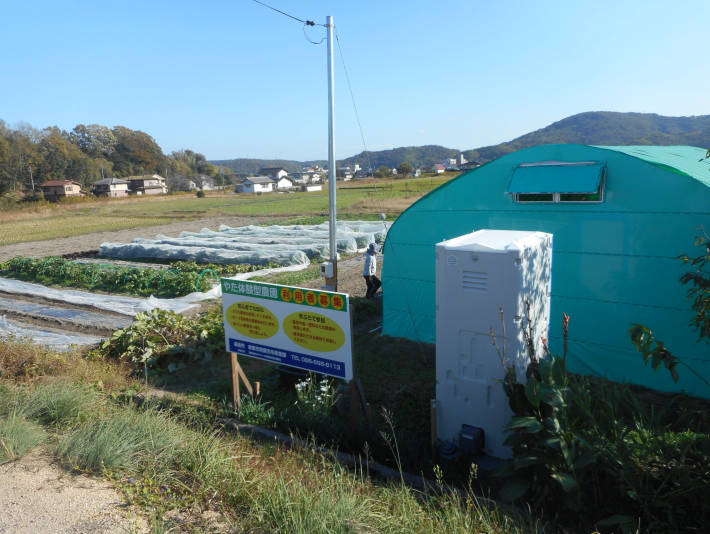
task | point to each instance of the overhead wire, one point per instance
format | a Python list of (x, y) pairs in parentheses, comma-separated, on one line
[(305, 22), (367, 153), (369, 165)]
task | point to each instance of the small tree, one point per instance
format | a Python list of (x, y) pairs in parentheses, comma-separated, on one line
[(382, 172), (405, 168)]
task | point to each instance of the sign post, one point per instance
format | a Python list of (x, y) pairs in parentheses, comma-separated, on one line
[(302, 328)]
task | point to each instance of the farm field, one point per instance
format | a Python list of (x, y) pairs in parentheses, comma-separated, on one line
[(106, 216), (68, 225)]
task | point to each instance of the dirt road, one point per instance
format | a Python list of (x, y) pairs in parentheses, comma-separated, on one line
[(36, 496)]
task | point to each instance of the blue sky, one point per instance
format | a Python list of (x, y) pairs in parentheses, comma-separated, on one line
[(230, 78)]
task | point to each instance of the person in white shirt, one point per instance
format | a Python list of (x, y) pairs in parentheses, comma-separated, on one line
[(370, 271)]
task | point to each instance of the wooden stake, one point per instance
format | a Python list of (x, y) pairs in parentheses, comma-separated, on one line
[(258, 388), (235, 382), (245, 380), (237, 374)]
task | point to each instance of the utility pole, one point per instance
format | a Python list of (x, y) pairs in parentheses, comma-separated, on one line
[(332, 283), (32, 181)]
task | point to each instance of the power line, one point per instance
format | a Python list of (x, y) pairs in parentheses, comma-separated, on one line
[(369, 164), (305, 23), (308, 22)]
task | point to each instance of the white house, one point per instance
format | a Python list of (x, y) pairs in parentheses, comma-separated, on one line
[(283, 183), (438, 168), (256, 184), (275, 173)]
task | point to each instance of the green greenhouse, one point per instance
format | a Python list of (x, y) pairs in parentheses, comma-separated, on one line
[(620, 217)]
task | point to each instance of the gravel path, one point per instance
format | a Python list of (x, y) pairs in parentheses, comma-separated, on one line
[(38, 497), (79, 243)]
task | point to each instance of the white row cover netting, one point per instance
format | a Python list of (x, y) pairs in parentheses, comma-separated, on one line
[(58, 341), (124, 305), (285, 246), (312, 250), (201, 254)]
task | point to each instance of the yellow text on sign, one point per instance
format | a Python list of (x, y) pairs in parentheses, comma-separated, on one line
[(252, 320), (314, 331)]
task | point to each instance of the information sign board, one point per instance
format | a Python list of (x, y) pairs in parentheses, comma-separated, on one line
[(304, 328)]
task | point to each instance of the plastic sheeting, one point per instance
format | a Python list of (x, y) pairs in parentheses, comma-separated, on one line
[(200, 254), (48, 338), (119, 304), (255, 245), (76, 317), (312, 250), (346, 245)]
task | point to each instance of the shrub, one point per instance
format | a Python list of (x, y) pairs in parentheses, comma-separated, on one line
[(200, 194)]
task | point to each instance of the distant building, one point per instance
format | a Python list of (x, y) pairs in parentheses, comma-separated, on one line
[(57, 189), (283, 183), (460, 160), (273, 172), (438, 168), (256, 184), (312, 187), (111, 187), (152, 184)]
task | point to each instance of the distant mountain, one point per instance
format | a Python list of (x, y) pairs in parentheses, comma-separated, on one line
[(252, 166), (608, 128), (591, 128), (416, 155)]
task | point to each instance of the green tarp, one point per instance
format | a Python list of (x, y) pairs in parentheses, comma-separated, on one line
[(614, 263)]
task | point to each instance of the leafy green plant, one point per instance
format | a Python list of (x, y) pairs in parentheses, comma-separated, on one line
[(219, 268), (550, 459), (107, 277), (166, 338), (611, 458)]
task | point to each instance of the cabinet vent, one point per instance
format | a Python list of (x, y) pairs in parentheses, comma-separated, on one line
[(475, 282)]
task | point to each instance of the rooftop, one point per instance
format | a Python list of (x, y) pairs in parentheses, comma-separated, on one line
[(58, 183), (108, 181), (260, 180)]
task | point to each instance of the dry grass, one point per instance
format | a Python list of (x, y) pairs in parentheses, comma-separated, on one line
[(22, 212), (26, 363), (389, 205)]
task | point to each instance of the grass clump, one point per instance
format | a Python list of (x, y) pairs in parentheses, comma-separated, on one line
[(60, 403), (124, 439), (18, 436)]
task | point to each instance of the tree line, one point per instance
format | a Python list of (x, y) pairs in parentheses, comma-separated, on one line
[(30, 156)]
